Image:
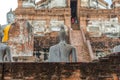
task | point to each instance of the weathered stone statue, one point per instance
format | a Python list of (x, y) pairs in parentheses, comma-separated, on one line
[(5, 54), (93, 4), (53, 4), (62, 52), (5, 28), (57, 3), (10, 17), (29, 3)]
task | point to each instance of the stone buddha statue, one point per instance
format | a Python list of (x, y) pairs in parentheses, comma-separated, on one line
[(53, 4), (10, 17), (5, 28), (93, 3), (57, 3), (29, 3), (62, 52), (5, 54)]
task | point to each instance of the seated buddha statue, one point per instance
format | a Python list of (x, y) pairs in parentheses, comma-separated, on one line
[(52, 4), (28, 3)]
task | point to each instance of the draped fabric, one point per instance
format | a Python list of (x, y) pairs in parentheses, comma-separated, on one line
[(6, 31)]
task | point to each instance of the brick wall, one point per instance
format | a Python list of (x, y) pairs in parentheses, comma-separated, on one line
[(20, 41)]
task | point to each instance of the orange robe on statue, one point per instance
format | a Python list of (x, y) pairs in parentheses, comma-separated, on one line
[(6, 31)]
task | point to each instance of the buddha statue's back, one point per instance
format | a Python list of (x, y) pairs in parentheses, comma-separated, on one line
[(62, 52)]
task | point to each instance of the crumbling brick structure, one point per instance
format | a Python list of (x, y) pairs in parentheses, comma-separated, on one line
[(21, 39)]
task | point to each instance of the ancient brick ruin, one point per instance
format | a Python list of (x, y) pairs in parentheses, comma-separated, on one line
[(45, 18), (95, 61), (106, 68)]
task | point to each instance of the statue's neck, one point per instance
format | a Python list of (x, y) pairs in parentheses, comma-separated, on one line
[(62, 38), (62, 41)]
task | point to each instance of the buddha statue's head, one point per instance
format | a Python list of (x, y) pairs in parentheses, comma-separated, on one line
[(62, 33), (10, 16)]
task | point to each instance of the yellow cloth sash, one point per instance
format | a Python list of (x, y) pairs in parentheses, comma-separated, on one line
[(6, 30)]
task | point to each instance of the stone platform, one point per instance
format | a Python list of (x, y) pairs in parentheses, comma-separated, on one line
[(102, 69)]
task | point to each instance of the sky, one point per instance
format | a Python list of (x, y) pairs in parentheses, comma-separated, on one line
[(6, 5)]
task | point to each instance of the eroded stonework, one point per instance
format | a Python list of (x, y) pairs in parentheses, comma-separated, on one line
[(86, 11), (20, 39), (28, 3), (39, 26)]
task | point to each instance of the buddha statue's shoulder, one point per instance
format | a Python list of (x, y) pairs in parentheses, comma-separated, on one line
[(69, 46), (54, 47), (3, 26), (58, 45)]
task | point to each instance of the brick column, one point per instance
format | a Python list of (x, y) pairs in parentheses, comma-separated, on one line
[(47, 21), (78, 7), (20, 3), (68, 3), (68, 21)]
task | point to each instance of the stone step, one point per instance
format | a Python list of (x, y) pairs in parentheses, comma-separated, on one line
[(75, 27), (76, 39)]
